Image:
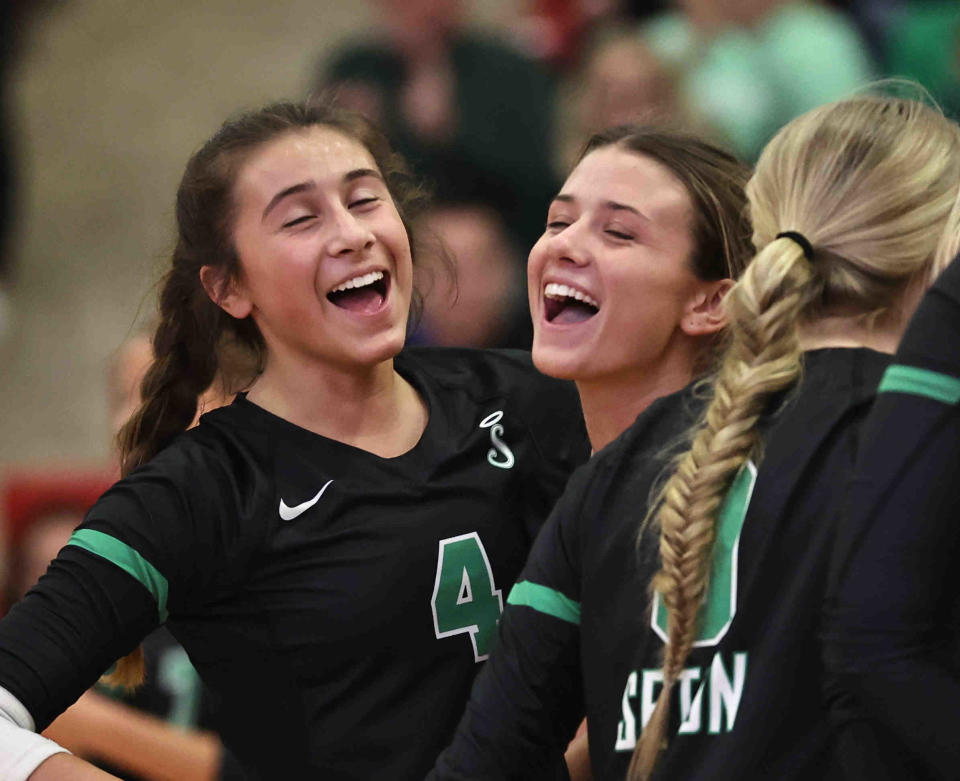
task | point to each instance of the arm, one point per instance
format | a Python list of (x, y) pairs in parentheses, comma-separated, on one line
[(65, 767), (577, 756), (527, 701), (58, 640), (893, 586), (100, 728), (138, 551), (24, 754)]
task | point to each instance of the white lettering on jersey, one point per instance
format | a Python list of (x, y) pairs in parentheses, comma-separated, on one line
[(690, 709), (289, 513), (724, 692), (627, 729), (499, 455)]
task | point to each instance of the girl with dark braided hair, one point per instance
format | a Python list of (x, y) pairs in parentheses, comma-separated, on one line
[(330, 548), (675, 593)]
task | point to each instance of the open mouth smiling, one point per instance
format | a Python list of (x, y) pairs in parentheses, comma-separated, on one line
[(564, 304), (364, 294)]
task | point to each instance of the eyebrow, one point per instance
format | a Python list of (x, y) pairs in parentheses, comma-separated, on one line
[(612, 205), (350, 176), (287, 191), (359, 173)]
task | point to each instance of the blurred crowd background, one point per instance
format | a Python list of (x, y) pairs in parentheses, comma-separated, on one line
[(102, 102)]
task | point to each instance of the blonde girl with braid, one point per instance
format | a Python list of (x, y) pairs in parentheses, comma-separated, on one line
[(675, 593), (855, 211), (330, 548)]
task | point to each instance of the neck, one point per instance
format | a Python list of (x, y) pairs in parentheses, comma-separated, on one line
[(372, 408), (882, 336), (611, 404)]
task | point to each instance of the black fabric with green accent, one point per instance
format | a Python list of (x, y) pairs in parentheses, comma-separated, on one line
[(548, 670), (316, 633), (893, 615)]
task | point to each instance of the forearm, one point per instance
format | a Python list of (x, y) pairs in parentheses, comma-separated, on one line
[(66, 767), (577, 756), (525, 704), (99, 728)]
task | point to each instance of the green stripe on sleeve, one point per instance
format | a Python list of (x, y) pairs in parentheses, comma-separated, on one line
[(545, 600), (125, 557), (920, 382)]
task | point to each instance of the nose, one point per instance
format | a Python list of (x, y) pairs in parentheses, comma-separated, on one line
[(348, 234), (570, 244)]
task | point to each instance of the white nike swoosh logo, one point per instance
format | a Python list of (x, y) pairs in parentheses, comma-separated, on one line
[(289, 513)]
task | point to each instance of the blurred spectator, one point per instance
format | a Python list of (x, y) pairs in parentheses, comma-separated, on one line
[(485, 303), (875, 19), (556, 31), (924, 45), (27, 498), (128, 366), (453, 101), (746, 67), (41, 542), (621, 81), (15, 16), (124, 374)]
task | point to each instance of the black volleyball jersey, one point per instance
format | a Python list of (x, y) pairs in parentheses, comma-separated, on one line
[(336, 603), (580, 632), (892, 626)]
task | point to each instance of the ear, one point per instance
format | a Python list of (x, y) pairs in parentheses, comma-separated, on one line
[(225, 292), (704, 313)]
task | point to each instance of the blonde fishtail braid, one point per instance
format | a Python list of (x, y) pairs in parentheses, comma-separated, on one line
[(763, 357)]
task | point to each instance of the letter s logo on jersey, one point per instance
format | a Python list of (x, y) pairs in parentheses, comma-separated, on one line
[(499, 455)]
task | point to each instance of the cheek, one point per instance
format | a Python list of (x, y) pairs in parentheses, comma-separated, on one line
[(400, 249), (651, 282), (535, 264)]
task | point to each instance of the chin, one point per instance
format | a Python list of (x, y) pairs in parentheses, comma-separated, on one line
[(376, 349), (556, 363), (387, 348)]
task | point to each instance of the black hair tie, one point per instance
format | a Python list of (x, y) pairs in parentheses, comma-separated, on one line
[(800, 239)]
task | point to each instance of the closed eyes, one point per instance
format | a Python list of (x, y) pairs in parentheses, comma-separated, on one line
[(298, 220), (359, 203), (366, 201), (559, 225)]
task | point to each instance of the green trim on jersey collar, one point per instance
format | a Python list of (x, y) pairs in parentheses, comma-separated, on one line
[(545, 600), (125, 557), (920, 382)]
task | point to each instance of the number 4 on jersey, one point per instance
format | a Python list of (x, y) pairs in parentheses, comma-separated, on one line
[(465, 598)]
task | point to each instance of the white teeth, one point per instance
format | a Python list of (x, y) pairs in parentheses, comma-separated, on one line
[(366, 279), (554, 290)]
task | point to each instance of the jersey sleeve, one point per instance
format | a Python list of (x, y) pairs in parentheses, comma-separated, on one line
[(179, 525), (527, 701), (889, 641), (155, 543)]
